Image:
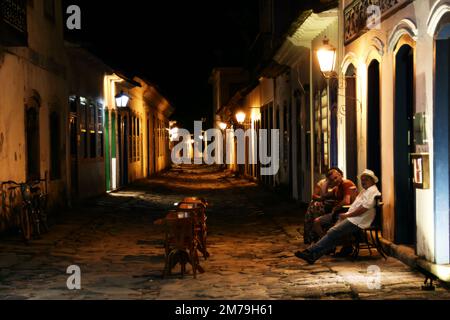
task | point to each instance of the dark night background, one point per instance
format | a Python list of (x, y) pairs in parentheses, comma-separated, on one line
[(173, 44)]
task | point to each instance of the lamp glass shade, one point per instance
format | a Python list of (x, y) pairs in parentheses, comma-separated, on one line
[(327, 58), (122, 100), (240, 117)]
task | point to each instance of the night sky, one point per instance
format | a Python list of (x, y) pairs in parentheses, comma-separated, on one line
[(173, 44)]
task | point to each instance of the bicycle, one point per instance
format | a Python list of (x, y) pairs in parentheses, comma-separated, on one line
[(30, 214), (39, 206), (19, 213)]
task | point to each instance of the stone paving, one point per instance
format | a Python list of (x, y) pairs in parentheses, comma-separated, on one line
[(253, 234)]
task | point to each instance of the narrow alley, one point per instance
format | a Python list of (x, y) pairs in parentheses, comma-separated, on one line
[(252, 237)]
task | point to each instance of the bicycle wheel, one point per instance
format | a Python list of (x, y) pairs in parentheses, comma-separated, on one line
[(25, 223)]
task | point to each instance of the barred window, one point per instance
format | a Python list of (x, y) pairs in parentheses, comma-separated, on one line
[(100, 135), (138, 139), (322, 131), (83, 128), (92, 133), (14, 13)]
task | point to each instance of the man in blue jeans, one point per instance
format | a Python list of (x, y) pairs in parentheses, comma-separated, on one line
[(360, 216)]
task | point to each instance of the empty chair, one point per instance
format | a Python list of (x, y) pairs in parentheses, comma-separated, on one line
[(198, 210), (180, 244)]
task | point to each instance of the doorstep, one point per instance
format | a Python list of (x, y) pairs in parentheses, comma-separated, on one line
[(408, 256)]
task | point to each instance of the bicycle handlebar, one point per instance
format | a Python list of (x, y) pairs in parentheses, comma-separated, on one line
[(30, 183)]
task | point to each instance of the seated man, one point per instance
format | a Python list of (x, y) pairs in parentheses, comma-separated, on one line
[(360, 216), (345, 193), (323, 201)]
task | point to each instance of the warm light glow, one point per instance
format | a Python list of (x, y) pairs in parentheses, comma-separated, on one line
[(240, 117), (256, 115), (113, 174), (122, 100), (222, 126), (327, 58), (109, 89)]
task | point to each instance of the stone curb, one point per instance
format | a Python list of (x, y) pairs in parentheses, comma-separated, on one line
[(407, 256)]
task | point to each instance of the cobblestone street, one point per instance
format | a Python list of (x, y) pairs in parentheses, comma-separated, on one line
[(252, 239)]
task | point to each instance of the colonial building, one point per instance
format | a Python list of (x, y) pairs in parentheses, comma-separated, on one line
[(60, 116), (374, 106), (136, 130), (309, 101), (397, 55), (86, 135), (283, 87), (33, 95)]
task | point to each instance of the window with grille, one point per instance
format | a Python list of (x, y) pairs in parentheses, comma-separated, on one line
[(322, 131), (138, 140), (83, 128), (14, 13), (92, 133), (325, 131), (100, 134)]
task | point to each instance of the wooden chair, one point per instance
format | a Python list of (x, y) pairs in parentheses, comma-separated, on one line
[(370, 238), (180, 244), (198, 208)]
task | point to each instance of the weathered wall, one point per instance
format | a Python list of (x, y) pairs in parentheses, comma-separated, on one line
[(36, 71)]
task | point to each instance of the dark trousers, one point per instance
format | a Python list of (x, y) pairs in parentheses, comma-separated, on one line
[(333, 238)]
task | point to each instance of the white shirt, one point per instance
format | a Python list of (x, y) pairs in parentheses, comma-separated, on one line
[(365, 199)]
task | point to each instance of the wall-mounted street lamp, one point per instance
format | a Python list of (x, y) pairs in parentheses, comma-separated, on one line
[(240, 117), (122, 100), (327, 55), (327, 59)]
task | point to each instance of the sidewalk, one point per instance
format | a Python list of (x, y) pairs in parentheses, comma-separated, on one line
[(408, 256)]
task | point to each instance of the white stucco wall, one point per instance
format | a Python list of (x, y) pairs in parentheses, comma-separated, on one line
[(360, 52)]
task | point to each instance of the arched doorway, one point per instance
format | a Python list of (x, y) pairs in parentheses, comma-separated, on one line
[(405, 198), (441, 123), (374, 119), (351, 124), (32, 138)]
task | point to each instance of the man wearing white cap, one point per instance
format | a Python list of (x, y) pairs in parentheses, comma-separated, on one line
[(360, 216)]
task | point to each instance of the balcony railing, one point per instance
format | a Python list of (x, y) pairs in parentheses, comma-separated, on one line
[(13, 22), (357, 15)]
